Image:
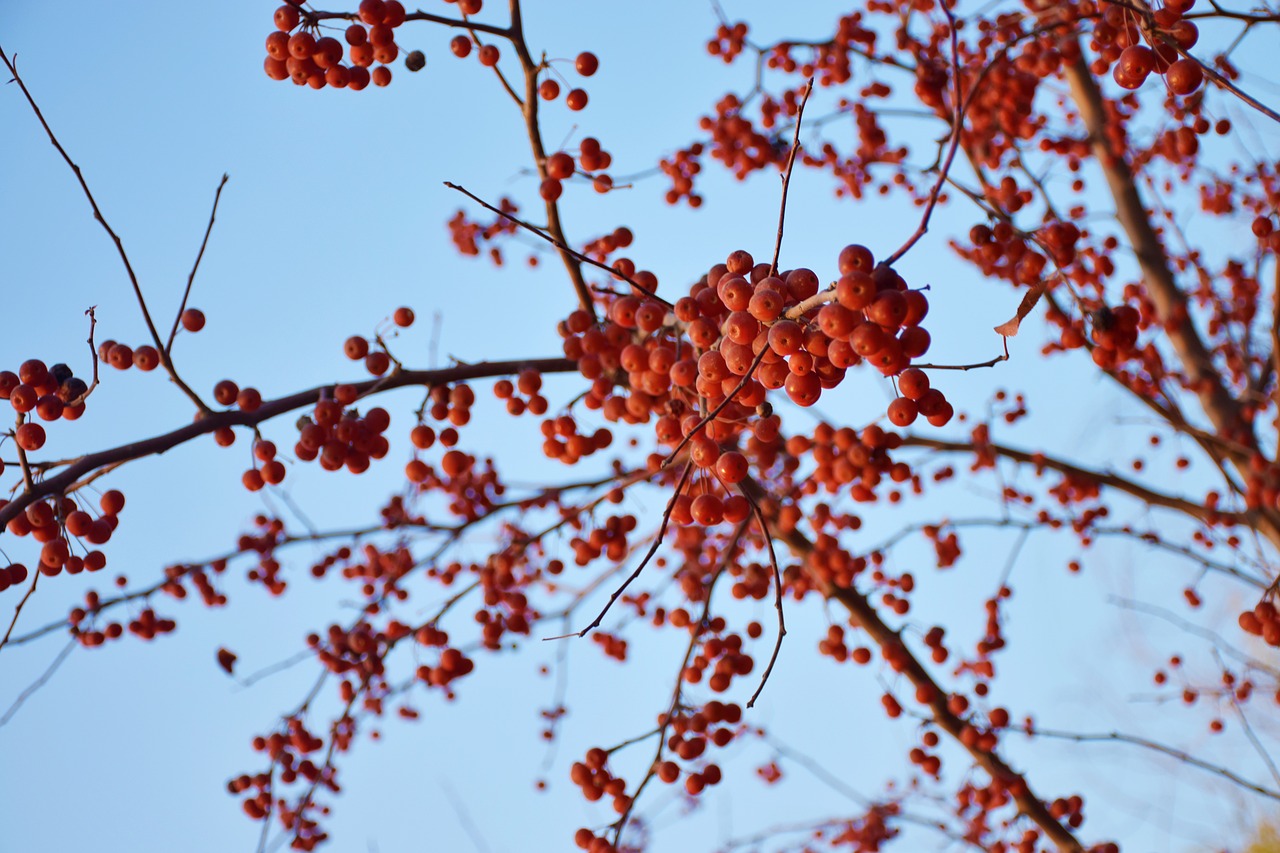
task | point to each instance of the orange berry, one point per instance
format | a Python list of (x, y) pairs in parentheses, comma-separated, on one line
[(193, 319)]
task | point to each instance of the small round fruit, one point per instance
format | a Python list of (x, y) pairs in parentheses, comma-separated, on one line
[(30, 436), (731, 467), (586, 63), (902, 412), (193, 319), (1184, 76)]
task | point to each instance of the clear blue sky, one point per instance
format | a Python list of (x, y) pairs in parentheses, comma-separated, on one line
[(334, 215)]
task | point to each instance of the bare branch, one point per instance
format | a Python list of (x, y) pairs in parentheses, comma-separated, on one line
[(186, 294)]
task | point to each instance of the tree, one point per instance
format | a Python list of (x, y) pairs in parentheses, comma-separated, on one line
[(1102, 171)]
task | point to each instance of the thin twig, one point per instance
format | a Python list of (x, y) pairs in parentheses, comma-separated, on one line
[(777, 596), (657, 542), (39, 682), (115, 238), (956, 125), (177, 318), (711, 415), (1248, 728), (786, 177), (557, 243), (17, 611), (59, 483), (1134, 740), (695, 633)]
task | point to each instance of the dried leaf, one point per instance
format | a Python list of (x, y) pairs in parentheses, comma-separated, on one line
[(1029, 301), (226, 660)]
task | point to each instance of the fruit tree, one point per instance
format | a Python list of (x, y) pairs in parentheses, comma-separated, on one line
[(878, 451)]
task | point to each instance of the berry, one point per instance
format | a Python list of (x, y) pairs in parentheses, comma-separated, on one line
[(1184, 76), (193, 319), (30, 436), (586, 64)]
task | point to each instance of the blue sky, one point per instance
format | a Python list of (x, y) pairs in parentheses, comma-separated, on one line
[(334, 216)]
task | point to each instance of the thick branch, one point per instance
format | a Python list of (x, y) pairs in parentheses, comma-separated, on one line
[(1148, 496), (165, 360), (1222, 410), (906, 663), (57, 485), (530, 108)]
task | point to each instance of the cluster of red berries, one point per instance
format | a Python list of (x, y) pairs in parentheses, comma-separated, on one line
[(340, 436), (728, 41), (54, 523), (741, 332), (317, 62), (453, 664), (1115, 334), (853, 461), (12, 575), (833, 646), (564, 442), (50, 392), (560, 167), (681, 168), (376, 361), (91, 637), (737, 143), (608, 539), (1262, 483), (575, 99), (1068, 809), (453, 403), (602, 247), (470, 236), (613, 646), (714, 724), (288, 749), (1170, 35), (926, 761), (147, 625), (1262, 621), (593, 776), (726, 660), (145, 357), (358, 651)]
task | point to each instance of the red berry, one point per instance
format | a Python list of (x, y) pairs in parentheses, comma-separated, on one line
[(586, 63), (287, 18), (372, 11), (30, 436), (731, 467), (193, 319), (1184, 76), (903, 412)]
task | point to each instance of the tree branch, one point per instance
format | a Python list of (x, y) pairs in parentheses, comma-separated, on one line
[(58, 484)]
